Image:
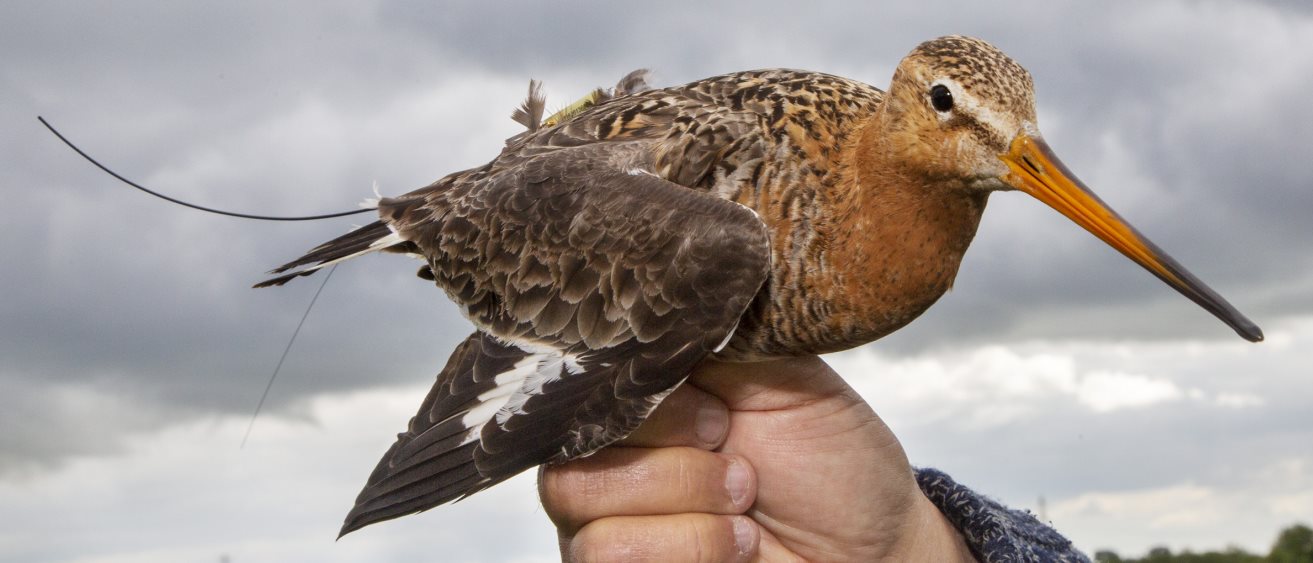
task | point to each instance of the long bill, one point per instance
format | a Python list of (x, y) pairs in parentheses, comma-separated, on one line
[(1038, 172)]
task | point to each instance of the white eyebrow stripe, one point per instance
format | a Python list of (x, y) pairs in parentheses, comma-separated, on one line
[(965, 102)]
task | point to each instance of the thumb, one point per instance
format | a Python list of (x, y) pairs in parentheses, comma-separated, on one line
[(771, 385)]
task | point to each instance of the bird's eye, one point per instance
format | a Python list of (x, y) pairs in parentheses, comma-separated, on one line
[(941, 98)]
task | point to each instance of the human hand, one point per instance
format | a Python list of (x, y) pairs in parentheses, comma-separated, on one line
[(772, 461)]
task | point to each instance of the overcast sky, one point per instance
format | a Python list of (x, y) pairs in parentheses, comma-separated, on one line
[(134, 351)]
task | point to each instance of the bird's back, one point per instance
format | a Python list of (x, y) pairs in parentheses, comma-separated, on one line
[(699, 134)]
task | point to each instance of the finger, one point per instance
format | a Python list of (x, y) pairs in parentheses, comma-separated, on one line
[(770, 385), (770, 548), (680, 537), (687, 417), (643, 482)]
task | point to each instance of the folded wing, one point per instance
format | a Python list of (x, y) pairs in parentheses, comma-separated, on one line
[(596, 288)]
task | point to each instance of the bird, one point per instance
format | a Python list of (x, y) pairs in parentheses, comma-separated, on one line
[(606, 251)]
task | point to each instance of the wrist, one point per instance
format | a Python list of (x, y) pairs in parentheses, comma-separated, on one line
[(931, 537)]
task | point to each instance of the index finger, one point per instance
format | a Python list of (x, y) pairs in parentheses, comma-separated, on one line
[(687, 417)]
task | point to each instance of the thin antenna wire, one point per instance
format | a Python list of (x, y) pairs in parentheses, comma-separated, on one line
[(287, 349), (191, 205)]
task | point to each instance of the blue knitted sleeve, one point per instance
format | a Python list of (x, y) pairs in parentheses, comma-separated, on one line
[(995, 533)]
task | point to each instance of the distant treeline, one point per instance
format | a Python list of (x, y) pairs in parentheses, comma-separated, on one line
[(1293, 545)]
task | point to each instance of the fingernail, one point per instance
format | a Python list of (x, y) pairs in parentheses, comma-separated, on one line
[(711, 423), (736, 480), (745, 535)]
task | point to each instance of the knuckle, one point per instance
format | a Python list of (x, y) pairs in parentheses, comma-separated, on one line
[(602, 542), (709, 539), (591, 487), (563, 488), (696, 536), (598, 552), (693, 538), (685, 479)]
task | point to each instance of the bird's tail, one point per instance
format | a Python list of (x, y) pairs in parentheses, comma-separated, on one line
[(369, 238)]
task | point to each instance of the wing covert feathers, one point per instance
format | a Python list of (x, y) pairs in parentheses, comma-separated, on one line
[(570, 248), (596, 292)]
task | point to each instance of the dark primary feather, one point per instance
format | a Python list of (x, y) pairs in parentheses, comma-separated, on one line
[(354, 242)]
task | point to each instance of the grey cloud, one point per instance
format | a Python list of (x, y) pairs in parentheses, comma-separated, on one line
[(1062, 449)]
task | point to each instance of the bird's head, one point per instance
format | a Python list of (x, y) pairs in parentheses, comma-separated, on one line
[(954, 104), (960, 115)]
